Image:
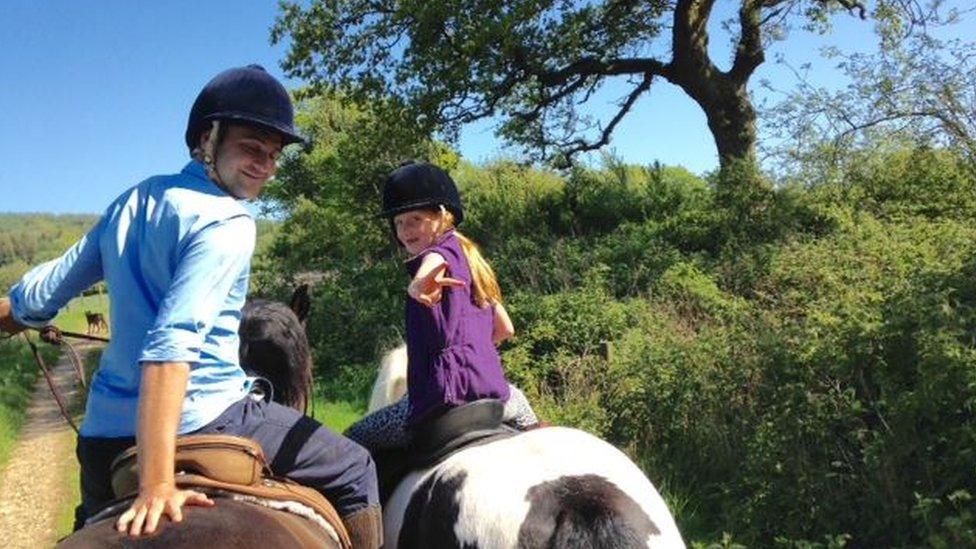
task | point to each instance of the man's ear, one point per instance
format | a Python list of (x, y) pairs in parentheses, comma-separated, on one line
[(204, 137)]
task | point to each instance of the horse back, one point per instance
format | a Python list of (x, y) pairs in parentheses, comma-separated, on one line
[(553, 487), (228, 524)]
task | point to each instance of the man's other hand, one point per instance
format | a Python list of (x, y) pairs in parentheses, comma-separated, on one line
[(7, 323)]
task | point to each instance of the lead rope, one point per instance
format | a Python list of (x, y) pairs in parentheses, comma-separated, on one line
[(50, 382), (55, 336)]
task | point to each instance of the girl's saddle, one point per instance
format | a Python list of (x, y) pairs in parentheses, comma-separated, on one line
[(440, 437)]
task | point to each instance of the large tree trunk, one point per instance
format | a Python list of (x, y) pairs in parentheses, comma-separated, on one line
[(732, 121), (731, 117), (722, 95)]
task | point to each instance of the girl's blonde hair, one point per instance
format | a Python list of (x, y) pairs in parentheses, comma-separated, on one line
[(484, 287)]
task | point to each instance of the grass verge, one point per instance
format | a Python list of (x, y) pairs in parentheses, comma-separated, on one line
[(18, 373), (337, 414)]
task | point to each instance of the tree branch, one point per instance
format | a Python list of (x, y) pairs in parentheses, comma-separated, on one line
[(529, 116), (592, 66), (749, 53), (852, 5), (581, 145), (689, 43)]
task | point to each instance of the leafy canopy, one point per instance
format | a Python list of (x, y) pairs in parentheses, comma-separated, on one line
[(537, 64)]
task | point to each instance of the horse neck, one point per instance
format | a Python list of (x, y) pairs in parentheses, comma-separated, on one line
[(391, 381)]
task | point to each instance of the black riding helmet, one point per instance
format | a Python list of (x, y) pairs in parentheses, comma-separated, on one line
[(243, 94), (419, 185)]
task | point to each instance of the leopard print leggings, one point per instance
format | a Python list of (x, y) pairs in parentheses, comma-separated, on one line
[(387, 427)]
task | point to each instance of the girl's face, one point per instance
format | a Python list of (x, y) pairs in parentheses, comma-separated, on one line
[(417, 229)]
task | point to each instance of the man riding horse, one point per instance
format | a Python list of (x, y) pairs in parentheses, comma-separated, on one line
[(175, 251)]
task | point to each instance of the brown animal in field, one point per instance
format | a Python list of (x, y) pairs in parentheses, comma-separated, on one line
[(96, 322)]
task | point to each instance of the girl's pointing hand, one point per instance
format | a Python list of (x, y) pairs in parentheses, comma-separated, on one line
[(427, 288)]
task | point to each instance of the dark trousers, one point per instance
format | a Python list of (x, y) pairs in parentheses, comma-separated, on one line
[(295, 445)]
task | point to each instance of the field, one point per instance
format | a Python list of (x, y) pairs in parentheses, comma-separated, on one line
[(338, 414)]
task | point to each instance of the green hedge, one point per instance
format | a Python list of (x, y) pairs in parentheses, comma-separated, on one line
[(792, 365)]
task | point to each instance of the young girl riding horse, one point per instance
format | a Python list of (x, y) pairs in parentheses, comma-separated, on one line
[(454, 314)]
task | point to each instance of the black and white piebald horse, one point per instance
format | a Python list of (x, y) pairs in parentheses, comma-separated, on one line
[(549, 487)]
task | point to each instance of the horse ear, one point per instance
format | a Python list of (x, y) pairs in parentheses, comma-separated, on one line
[(301, 303)]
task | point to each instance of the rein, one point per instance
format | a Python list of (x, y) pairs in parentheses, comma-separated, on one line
[(54, 336)]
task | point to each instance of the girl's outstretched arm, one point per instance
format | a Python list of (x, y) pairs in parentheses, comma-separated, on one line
[(502, 327), (428, 283)]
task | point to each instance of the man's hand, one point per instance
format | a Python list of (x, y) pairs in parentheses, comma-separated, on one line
[(7, 322), (427, 289), (161, 393), (144, 513)]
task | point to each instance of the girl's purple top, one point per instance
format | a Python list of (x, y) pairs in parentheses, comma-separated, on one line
[(451, 357)]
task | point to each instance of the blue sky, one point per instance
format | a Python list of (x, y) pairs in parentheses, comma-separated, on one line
[(96, 94)]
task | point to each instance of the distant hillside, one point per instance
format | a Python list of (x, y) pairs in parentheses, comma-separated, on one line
[(28, 239)]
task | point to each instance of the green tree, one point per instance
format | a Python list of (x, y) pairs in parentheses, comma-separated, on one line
[(535, 63), (916, 90)]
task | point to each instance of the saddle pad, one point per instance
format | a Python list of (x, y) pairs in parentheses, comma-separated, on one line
[(276, 489)]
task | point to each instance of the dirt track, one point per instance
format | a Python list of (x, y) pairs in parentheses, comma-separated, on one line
[(37, 482)]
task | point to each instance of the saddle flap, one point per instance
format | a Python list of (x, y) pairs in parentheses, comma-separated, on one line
[(225, 458), (438, 438), (468, 425), (435, 433)]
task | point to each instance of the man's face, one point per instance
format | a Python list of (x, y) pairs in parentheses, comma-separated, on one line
[(246, 159)]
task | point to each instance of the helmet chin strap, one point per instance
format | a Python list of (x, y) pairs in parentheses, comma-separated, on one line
[(210, 158), (441, 220)]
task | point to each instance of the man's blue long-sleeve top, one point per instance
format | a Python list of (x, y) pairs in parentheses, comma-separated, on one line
[(175, 251)]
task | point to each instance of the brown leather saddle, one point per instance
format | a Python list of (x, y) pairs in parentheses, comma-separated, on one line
[(223, 466)]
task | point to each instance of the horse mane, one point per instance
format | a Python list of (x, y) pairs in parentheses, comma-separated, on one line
[(301, 303), (274, 346), (391, 381)]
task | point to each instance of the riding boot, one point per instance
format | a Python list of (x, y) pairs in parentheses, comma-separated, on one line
[(365, 528)]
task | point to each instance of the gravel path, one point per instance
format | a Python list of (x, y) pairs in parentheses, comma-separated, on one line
[(42, 467)]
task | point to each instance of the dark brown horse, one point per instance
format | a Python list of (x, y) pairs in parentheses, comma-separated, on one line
[(229, 523), (96, 322), (271, 332)]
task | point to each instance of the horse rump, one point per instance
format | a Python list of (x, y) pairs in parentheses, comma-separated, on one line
[(584, 511)]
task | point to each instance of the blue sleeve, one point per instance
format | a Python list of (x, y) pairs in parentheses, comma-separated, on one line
[(45, 289), (209, 266)]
